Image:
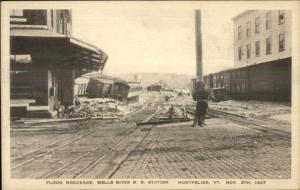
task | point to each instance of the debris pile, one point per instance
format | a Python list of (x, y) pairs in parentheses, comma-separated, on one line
[(93, 107), (103, 107), (255, 108)]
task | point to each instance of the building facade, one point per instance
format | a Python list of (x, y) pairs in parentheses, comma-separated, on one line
[(45, 60), (262, 36)]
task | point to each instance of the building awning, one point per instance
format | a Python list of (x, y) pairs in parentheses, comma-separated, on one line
[(101, 80), (87, 57), (47, 47), (35, 32)]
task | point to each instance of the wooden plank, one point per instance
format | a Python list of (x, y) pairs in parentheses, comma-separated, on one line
[(169, 118), (36, 121), (104, 118), (21, 102), (162, 122)]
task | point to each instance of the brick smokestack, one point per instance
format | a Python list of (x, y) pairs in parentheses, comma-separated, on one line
[(199, 72)]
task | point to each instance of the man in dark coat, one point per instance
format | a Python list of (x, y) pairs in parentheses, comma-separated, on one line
[(201, 96)]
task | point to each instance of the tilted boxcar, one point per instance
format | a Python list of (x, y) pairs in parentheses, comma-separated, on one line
[(135, 90), (98, 87), (120, 90)]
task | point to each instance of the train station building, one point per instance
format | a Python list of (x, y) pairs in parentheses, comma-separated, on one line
[(45, 60)]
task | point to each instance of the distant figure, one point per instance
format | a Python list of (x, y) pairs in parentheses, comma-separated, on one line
[(167, 98), (171, 111), (201, 96)]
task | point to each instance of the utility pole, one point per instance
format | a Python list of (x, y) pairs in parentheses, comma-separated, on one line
[(199, 63)]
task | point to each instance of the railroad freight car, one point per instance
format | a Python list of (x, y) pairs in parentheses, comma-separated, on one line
[(193, 85), (208, 81), (98, 87), (239, 83), (154, 87), (270, 81), (222, 80), (264, 81), (134, 93), (120, 90)]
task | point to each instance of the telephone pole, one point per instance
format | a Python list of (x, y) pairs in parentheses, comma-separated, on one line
[(199, 62)]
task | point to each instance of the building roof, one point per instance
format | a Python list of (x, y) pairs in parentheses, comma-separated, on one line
[(106, 77), (249, 66), (102, 80), (88, 55), (83, 56), (81, 80), (134, 85), (241, 15), (35, 32)]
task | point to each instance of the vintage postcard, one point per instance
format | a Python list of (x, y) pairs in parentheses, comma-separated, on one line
[(150, 95)]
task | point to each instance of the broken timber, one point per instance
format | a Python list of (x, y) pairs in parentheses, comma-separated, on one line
[(164, 121), (38, 121)]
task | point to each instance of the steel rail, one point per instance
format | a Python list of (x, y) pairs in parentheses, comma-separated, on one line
[(48, 175), (39, 149), (101, 156), (48, 151), (119, 165), (244, 121)]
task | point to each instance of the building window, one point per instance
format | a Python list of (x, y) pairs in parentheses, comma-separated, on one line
[(17, 13), (281, 42), (52, 19), (281, 17), (257, 48), (36, 17), (268, 20), (239, 32), (257, 25), (240, 53), (248, 51), (64, 22), (248, 29), (268, 46)]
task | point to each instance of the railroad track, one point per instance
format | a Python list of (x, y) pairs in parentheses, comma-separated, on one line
[(110, 175), (89, 158), (147, 110), (28, 157), (163, 116), (271, 120), (255, 123), (101, 155), (31, 156)]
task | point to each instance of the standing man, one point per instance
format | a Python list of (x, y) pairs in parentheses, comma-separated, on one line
[(201, 96)]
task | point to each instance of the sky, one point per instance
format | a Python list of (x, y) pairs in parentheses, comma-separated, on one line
[(157, 38)]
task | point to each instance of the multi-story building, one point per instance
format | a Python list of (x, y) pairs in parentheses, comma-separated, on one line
[(44, 61), (262, 36)]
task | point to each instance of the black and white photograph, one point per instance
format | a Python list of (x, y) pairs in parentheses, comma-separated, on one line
[(150, 94)]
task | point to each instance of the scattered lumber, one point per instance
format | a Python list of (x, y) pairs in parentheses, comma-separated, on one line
[(164, 121)]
